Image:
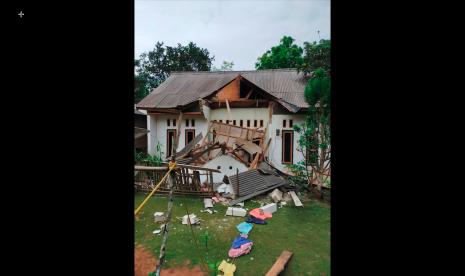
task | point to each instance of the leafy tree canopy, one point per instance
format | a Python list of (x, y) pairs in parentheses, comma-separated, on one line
[(318, 89), (316, 55), (285, 55), (153, 67)]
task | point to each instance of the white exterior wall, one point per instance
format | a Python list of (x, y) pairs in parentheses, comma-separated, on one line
[(157, 125), (152, 134), (275, 148), (228, 166)]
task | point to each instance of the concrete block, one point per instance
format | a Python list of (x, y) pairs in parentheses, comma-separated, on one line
[(276, 195), (193, 219), (237, 212), (270, 208), (207, 202), (159, 216)]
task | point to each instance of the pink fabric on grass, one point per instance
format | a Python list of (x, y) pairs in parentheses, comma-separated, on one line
[(244, 249)]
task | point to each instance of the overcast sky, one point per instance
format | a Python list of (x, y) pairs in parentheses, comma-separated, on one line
[(238, 31)]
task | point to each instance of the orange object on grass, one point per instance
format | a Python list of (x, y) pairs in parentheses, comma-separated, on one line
[(258, 213)]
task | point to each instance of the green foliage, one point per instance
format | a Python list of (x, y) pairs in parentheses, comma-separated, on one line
[(152, 160), (226, 66), (318, 92), (156, 159), (285, 55), (138, 156), (141, 88), (314, 138), (153, 67), (316, 55)]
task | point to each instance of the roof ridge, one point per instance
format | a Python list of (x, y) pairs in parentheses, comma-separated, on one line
[(231, 72)]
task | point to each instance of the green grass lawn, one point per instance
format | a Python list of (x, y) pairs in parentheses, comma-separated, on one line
[(304, 231)]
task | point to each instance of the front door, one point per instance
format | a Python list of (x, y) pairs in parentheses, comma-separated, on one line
[(170, 136), (287, 146)]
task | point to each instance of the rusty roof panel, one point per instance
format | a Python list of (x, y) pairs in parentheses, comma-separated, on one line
[(184, 88)]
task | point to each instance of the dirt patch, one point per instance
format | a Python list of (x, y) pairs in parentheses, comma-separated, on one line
[(145, 262)]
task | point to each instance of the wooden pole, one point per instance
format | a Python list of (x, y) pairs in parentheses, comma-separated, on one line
[(237, 176), (171, 184)]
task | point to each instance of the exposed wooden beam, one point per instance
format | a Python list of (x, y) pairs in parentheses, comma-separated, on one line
[(250, 93)]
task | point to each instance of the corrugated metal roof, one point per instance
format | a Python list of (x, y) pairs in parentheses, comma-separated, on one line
[(182, 88), (253, 181)]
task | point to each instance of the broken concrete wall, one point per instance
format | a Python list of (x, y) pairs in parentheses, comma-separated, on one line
[(226, 164)]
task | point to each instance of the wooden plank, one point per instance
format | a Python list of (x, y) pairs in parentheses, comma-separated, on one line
[(296, 199), (265, 151), (248, 146), (145, 168), (280, 263), (254, 163), (250, 93)]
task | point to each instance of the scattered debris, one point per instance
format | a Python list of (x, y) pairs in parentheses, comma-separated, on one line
[(208, 203), (159, 216), (296, 199), (280, 263), (239, 204), (208, 211), (157, 231), (270, 208), (276, 195), (224, 188), (253, 183), (238, 212), (215, 199), (192, 217), (287, 197)]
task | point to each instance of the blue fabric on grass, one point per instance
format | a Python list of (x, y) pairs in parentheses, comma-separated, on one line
[(238, 241), (255, 220), (244, 227)]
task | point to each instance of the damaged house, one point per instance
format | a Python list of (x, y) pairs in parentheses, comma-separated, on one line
[(231, 121)]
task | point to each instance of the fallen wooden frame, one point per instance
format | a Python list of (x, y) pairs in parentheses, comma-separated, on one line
[(187, 179), (280, 263)]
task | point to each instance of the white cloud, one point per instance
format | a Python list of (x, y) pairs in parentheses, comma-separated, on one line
[(238, 31)]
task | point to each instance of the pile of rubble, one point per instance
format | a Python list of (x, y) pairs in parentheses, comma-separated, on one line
[(240, 154)]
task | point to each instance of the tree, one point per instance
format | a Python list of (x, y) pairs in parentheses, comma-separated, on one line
[(226, 66), (315, 135), (316, 55), (285, 55), (318, 96), (141, 88), (153, 67)]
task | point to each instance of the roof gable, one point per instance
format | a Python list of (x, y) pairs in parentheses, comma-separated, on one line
[(182, 88)]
